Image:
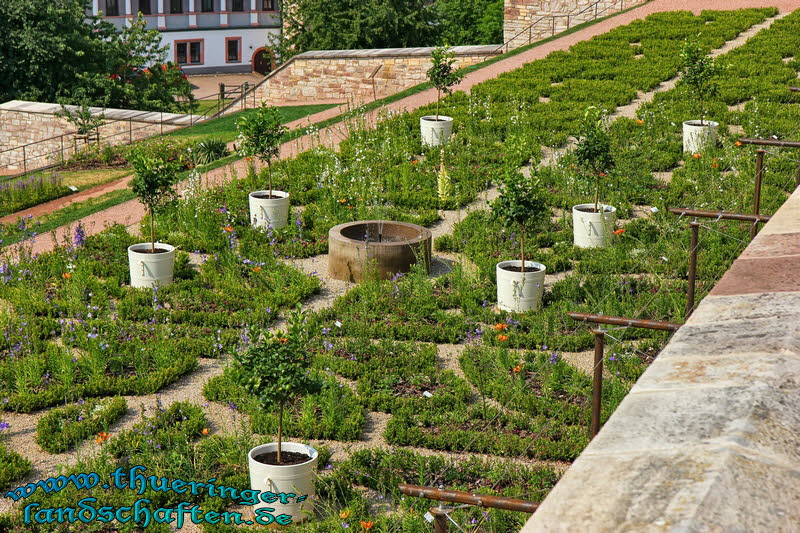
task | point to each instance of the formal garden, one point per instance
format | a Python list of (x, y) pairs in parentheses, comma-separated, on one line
[(439, 377)]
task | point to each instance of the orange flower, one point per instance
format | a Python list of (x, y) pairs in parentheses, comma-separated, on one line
[(248, 159), (257, 269), (66, 275), (283, 340), (349, 207), (205, 431), (344, 514), (697, 156), (715, 165), (500, 326), (517, 368), (738, 143), (640, 121), (602, 174), (367, 525), (502, 338), (343, 200), (102, 437), (229, 229), (414, 162), (619, 231)]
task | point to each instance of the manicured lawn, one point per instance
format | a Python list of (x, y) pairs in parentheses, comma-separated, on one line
[(225, 127)]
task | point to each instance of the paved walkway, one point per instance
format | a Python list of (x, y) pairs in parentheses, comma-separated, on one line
[(130, 213)]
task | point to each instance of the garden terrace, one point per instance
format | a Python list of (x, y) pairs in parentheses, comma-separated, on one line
[(507, 403)]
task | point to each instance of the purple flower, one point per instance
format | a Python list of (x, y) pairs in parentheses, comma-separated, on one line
[(232, 406), (553, 358), (4, 425), (612, 358), (80, 236)]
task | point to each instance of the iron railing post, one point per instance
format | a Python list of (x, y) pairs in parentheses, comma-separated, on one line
[(597, 381), (694, 226), (757, 191)]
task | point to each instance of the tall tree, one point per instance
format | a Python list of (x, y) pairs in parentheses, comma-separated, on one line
[(353, 24), (52, 52), (45, 46)]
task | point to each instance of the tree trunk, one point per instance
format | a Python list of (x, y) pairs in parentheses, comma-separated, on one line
[(269, 173), (438, 97), (597, 194), (280, 430), (152, 231), (522, 243)]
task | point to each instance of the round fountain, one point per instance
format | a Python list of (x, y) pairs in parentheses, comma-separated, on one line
[(382, 246)]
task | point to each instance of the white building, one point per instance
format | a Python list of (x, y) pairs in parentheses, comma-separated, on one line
[(205, 36)]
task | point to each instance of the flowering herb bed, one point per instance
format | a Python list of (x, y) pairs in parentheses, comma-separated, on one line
[(77, 331)]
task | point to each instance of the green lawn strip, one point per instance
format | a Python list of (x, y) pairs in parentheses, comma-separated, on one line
[(224, 128)]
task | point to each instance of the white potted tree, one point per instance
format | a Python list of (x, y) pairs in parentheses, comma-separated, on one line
[(436, 129), (276, 370), (260, 136), (152, 263), (593, 224), (698, 72), (521, 205)]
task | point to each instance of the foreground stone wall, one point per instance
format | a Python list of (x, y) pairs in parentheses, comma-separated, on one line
[(521, 24), (709, 437), (48, 139), (356, 75)]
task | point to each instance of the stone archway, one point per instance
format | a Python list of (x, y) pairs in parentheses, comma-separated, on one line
[(263, 61)]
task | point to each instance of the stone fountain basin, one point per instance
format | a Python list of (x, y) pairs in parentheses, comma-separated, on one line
[(358, 248)]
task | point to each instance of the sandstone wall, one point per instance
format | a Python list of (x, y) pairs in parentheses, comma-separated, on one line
[(356, 75), (31, 136), (528, 21)]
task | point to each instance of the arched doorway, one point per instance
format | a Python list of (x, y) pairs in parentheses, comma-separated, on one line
[(263, 61)]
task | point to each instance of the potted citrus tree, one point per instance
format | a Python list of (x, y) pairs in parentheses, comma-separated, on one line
[(152, 263), (260, 136), (520, 206), (275, 369), (698, 71), (436, 129), (593, 224)]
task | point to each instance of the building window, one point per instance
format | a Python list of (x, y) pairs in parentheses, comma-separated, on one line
[(176, 6), (233, 49), (112, 8), (208, 6), (144, 7), (237, 5), (268, 5), (189, 52)]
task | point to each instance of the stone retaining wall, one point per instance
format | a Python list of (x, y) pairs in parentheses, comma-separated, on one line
[(48, 139), (556, 16), (356, 75), (708, 439)]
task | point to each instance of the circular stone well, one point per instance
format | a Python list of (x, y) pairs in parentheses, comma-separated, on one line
[(356, 248)]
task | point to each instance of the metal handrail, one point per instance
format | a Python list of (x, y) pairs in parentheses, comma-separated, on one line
[(529, 28)]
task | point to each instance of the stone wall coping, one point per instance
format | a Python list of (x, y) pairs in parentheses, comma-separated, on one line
[(111, 114), (491, 49), (708, 439)]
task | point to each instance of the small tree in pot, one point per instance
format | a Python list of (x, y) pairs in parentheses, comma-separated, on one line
[(275, 369), (443, 75), (260, 135), (592, 223), (154, 184), (698, 71), (520, 206)]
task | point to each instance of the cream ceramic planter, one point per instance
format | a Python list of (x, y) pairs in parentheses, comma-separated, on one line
[(288, 479), (697, 137), (520, 291), (269, 212), (149, 270), (435, 132), (593, 230)]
